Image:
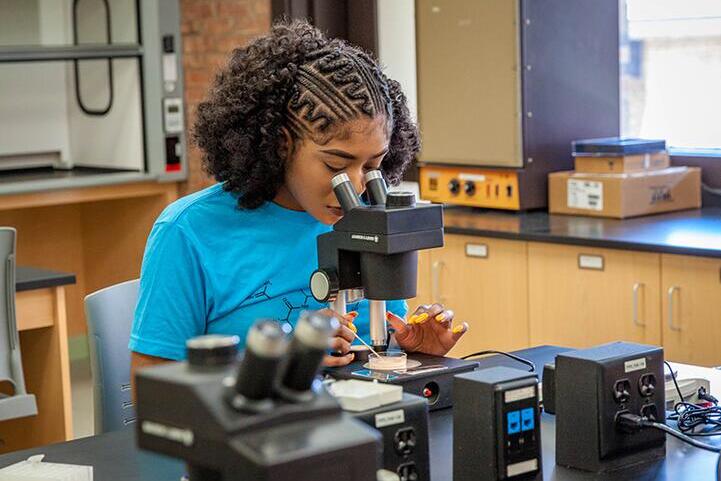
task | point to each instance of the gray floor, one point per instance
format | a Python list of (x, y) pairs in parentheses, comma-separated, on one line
[(82, 389)]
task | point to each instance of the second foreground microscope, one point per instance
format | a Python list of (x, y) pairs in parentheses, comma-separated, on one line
[(372, 252)]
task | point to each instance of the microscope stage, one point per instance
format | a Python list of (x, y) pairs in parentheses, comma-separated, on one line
[(431, 379)]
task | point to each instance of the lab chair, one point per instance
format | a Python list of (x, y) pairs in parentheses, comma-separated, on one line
[(18, 403), (109, 313)]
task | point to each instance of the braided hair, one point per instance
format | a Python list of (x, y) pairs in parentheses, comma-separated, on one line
[(297, 80)]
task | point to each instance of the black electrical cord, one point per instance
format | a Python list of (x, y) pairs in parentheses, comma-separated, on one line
[(689, 416), (673, 376), (634, 422), (683, 437), (512, 356)]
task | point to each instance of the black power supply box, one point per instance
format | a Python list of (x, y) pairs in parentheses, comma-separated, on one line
[(592, 388), (404, 428), (496, 425)]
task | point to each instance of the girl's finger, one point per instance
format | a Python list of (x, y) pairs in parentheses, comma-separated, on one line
[(335, 361)]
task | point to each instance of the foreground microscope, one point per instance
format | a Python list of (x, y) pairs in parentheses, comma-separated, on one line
[(372, 252), (263, 419)]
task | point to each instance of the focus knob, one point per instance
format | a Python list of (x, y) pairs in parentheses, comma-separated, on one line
[(396, 200), (469, 187), (454, 186), (324, 285), (212, 350)]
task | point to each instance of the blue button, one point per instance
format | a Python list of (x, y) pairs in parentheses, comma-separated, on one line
[(514, 422), (527, 419)]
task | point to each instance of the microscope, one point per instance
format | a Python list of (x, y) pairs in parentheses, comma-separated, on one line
[(265, 418), (372, 252)]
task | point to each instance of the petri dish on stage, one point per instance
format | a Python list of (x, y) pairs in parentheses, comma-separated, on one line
[(388, 361)]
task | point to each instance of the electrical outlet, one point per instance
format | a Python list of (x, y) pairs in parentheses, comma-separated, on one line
[(593, 387), (404, 441), (622, 391), (649, 411), (647, 384), (407, 472)]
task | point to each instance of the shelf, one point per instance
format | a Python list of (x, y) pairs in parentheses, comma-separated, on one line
[(68, 52)]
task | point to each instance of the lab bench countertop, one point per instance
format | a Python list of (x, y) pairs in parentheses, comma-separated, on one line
[(691, 232), (116, 455), (28, 278)]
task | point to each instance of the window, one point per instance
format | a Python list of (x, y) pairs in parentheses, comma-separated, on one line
[(671, 72)]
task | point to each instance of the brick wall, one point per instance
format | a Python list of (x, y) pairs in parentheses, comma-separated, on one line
[(211, 29)]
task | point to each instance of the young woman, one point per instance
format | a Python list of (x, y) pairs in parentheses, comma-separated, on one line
[(287, 113)]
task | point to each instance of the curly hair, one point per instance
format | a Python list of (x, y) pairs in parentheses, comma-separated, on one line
[(294, 79)]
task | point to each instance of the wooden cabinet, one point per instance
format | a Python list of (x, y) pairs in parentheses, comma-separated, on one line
[(42, 323), (484, 282), (581, 296), (691, 300), (515, 294)]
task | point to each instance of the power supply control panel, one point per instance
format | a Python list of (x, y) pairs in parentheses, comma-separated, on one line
[(520, 447), (496, 425)]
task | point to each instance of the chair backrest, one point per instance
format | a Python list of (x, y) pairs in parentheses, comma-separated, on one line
[(109, 313), (19, 403)]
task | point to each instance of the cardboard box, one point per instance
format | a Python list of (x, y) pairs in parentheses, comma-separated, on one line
[(624, 195), (622, 163)]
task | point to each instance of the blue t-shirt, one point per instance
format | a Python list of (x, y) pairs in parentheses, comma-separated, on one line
[(212, 268)]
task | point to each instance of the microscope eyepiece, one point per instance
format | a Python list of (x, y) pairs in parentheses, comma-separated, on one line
[(376, 187), (309, 345), (266, 345), (268, 338), (345, 192)]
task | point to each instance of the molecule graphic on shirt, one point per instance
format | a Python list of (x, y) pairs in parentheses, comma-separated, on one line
[(292, 307), (261, 293)]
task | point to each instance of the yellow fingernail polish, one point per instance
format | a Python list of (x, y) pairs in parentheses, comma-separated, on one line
[(440, 317), (458, 329), (352, 327), (422, 318)]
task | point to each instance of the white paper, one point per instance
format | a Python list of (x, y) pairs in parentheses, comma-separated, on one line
[(33, 469)]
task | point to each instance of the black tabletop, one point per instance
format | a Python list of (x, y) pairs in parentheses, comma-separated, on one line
[(28, 278), (115, 456), (691, 232)]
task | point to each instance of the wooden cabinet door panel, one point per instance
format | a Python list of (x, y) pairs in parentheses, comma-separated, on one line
[(580, 296), (691, 299), (484, 282)]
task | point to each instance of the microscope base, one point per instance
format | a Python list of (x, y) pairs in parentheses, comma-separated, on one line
[(433, 379)]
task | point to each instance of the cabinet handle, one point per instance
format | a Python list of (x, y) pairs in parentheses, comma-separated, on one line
[(436, 268), (637, 287), (477, 250), (670, 308)]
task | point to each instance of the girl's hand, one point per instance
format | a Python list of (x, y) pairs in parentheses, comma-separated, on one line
[(342, 339), (429, 330)]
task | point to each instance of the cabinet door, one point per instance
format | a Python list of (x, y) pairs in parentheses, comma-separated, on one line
[(582, 296), (484, 282), (691, 289)]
